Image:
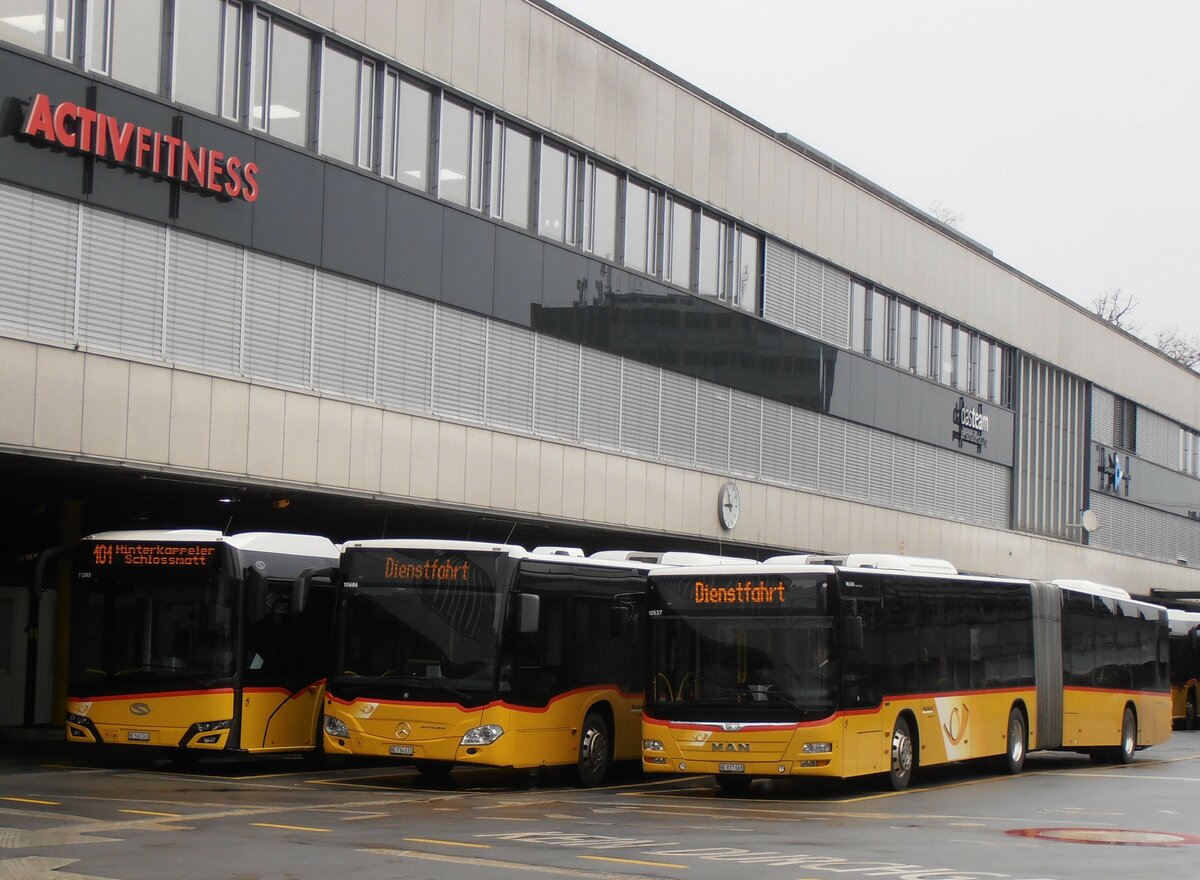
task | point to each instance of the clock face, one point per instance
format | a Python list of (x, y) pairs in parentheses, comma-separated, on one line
[(730, 505)]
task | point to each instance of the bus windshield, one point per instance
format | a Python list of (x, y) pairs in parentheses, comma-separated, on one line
[(425, 620), (141, 623), (760, 651)]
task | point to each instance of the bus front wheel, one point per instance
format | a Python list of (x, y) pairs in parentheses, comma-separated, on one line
[(1014, 754), (592, 765), (1124, 752), (902, 758)]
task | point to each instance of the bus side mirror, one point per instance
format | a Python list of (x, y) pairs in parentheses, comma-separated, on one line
[(303, 583), (852, 633), (529, 606), (256, 594), (43, 562)]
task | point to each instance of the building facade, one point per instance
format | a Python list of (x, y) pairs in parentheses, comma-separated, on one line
[(474, 266)]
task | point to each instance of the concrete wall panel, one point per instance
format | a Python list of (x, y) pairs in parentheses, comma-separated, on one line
[(550, 479), (504, 471), (635, 493), (18, 381), (595, 475), (366, 449), (655, 492), (614, 489), (381, 18), (607, 89), (410, 33), (301, 426), (396, 455), (464, 52), (574, 482), (334, 442), (265, 438), (516, 56), (477, 489), (529, 456), (626, 117), (451, 452), (350, 19), (439, 39), (105, 406), (541, 67), (229, 426), (148, 438), (423, 464), (562, 80), (492, 49), (58, 422)]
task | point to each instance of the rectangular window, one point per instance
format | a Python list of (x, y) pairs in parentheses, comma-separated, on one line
[(558, 196), (945, 352), (512, 175), (680, 235), (982, 367), (1185, 450), (124, 41), (1125, 424), (962, 354), (714, 256), (339, 103), (23, 23), (281, 74), (903, 335), (407, 109), (641, 227), (923, 339), (859, 304), (878, 321), (747, 267), (460, 156), (207, 42), (600, 214)]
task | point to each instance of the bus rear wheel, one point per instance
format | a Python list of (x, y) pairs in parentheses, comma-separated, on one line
[(1124, 752), (902, 758), (593, 762), (1015, 750)]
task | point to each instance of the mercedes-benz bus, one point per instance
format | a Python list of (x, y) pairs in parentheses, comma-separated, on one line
[(189, 639), (876, 665), (1185, 665), (463, 653)]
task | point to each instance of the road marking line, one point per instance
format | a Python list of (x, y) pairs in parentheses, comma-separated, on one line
[(149, 813), (633, 862), (447, 842), (291, 827), (21, 800), (518, 869)]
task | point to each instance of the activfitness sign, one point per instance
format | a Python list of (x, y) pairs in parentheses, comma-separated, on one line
[(86, 131)]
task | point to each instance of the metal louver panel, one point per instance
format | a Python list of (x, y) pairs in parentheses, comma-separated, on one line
[(882, 471), (1102, 416), (1157, 439), (712, 426), (776, 441), (639, 408), (600, 399), (810, 297), (831, 456), (121, 284), (835, 312), (779, 296), (904, 473), (964, 491), (204, 303), (509, 399), (745, 434), (926, 478), (858, 448), (459, 347), (805, 442), (947, 483), (677, 427), (405, 351), (344, 337), (556, 388), (37, 289), (278, 339)]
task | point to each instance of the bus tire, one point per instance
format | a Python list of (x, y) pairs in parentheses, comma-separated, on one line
[(1123, 754), (594, 751), (733, 785), (434, 770), (902, 758), (1017, 742)]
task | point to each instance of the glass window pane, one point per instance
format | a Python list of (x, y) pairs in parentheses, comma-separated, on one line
[(455, 158), (198, 53), (136, 38), (945, 352), (903, 335), (366, 114), (231, 61), (982, 371), (637, 226), (858, 317), (339, 104), (412, 139), (552, 212), (516, 179), (387, 147), (62, 13), (604, 214), (23, 22), (475, 169), (712, 256), (962, 353), (258, 84), (680, 249), (290, 70), (745, 294), (922, 355), (97, 36), (879, 325)]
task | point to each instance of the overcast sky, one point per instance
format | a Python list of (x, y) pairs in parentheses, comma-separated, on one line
[(1064, 133)]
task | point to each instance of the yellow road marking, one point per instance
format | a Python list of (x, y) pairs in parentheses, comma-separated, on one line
[(149, 813), (291, 827), (633, 862), (21, 800), (447, 842), (515, 869)]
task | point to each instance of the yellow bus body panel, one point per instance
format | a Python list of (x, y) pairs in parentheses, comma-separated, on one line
[(150, 719), (1092, 717), (532, 737), (1179, 695), (276, 720)]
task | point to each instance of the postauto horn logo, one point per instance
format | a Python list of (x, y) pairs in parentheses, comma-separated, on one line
[(139, 709)]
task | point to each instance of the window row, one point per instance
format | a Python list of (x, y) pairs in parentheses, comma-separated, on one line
[(1189, 452), (896, 331), (236, 60)]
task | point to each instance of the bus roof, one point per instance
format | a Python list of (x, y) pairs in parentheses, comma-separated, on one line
[(553, 554), (1084, 586), (671, 557), (254, 542), (888, 561), (1182, 622)]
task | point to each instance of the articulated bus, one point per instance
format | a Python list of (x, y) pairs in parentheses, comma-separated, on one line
[(1185, 665), (189, 639), (842, 670), (456, 652)]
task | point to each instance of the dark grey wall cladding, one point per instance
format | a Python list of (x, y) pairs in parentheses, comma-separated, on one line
[(1148, 483), (320, 213)]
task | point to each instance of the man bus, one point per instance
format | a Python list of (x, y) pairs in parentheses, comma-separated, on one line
[(1185, 665), (188, 639), (868, 666), (456, 652)]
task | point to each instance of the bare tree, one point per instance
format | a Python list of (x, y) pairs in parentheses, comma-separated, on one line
[(1117, 307), (1185, 349), (944, 214)]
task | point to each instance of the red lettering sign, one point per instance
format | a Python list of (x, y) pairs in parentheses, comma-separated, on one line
[(81, 130)]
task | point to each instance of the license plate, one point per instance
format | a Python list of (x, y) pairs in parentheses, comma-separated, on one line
[(402, 751), (140, 736), (731, 768)]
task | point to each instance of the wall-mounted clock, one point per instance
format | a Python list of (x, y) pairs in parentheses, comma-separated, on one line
[(729, 505)]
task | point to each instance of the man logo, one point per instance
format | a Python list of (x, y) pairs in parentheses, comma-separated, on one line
[(403, 730), (730, 747), (139, 709)]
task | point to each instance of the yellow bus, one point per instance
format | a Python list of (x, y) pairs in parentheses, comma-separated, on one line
[(878, 665), (188, 639), (1185, 665), (464, 653)]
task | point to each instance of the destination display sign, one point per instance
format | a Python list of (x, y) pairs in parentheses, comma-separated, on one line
[(404, 568), (192, 556), (739, 591)]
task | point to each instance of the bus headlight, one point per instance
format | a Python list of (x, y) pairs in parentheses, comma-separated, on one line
[(482, 736), (817, 748), (652, 745), (335, 726)]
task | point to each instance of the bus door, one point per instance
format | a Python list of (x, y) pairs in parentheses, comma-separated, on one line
[(861, 614)]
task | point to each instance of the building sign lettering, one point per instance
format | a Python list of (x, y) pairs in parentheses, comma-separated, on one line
[(83, 130), (970, 425)]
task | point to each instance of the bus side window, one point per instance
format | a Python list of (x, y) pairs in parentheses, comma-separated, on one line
[(541, 656), (860, 665)]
